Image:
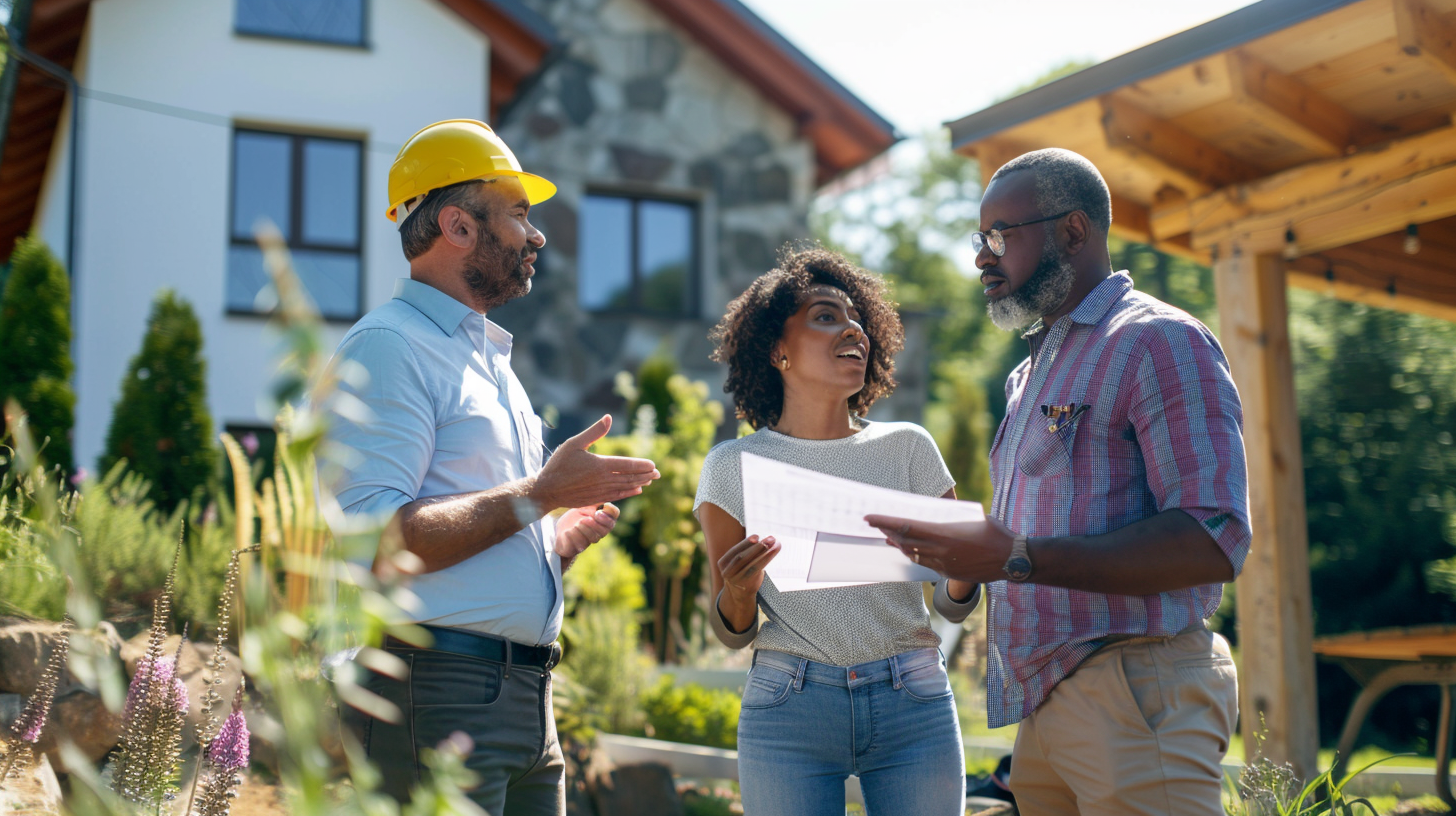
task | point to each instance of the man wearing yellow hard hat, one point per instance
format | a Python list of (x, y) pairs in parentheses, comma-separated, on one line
[(451, 455)]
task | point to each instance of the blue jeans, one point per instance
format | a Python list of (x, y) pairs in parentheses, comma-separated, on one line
[(807, 726)]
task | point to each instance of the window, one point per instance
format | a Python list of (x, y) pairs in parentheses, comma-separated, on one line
[(638, 255), (340, 22), (309, 187)]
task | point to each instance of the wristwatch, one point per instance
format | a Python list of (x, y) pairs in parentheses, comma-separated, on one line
[(1018, 566)]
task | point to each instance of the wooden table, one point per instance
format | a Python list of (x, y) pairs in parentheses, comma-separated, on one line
[(1383, 659)]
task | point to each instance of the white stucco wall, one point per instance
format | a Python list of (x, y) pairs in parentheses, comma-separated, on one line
[(170, 78)]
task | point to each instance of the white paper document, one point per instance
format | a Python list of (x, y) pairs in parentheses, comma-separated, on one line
[(818, 521)]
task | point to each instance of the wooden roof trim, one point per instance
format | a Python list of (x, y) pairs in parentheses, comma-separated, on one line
[(1327, 203), (845, 131), (1223, 34), (1423, 33), (1363, 277)]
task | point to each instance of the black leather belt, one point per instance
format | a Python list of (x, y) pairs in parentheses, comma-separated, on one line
[(485, 647)]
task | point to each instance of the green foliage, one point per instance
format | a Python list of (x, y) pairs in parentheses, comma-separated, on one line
[(692, 714), (161, 425), (35, 347), (602, 656), (31, 584), (958, 419), (657, 528)]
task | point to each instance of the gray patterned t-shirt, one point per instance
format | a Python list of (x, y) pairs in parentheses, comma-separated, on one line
[(842, 626)]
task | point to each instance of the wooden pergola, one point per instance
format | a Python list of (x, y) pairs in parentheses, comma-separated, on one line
[(1304, 142)]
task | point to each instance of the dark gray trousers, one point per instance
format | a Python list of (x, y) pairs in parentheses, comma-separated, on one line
[(515, 756)]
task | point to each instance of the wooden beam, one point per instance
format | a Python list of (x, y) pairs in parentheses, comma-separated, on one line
[(1327, 203), (1363, 274), (1130, 220), (1292, 109), (1276, 618), (1170, 152), (1423, 33)]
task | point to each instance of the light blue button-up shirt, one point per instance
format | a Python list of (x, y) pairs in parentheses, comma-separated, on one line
[(446, 415)]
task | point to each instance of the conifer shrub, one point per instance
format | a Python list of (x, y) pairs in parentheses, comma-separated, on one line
[(35, 347), (161, 425)]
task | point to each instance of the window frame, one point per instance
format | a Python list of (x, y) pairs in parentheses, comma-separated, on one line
[(363, 42), (692, 307), (295, 240)]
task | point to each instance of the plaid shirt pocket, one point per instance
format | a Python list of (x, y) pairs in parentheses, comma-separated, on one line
[(1047, 452)]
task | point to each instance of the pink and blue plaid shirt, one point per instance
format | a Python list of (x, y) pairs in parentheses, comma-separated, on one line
[(1125, 409)]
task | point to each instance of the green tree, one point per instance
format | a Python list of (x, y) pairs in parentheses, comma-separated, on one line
[(35, 347), (1377, 405), (161, 425)]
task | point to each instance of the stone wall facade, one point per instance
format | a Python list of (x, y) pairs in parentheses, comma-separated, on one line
[(630, 103)]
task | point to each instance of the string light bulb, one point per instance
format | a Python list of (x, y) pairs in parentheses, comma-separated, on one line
[(1291, 248), (1412, 243)]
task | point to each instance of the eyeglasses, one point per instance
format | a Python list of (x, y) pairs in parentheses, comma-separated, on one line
[(996, 238)]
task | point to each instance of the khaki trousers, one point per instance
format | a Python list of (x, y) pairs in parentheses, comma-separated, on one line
[(1141, 727)]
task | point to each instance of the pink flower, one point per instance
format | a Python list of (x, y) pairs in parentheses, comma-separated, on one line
[(249, 443), (79, 476), (230, 750), (163, 672)]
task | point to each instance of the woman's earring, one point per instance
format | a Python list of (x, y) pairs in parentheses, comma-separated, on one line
[(784, 364)]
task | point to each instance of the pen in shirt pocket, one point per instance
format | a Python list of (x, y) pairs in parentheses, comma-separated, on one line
[(1061, 416)]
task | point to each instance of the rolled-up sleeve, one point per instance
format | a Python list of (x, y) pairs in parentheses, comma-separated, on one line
[(1189, 422), (951, 609), (381, 433)]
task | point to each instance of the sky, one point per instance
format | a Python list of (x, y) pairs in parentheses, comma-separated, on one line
[(919, 63)]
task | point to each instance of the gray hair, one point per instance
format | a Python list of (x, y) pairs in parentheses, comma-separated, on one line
[(1065, 181), (422, 227)]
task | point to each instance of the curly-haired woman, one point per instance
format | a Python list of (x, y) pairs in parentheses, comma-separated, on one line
[(845, 680)]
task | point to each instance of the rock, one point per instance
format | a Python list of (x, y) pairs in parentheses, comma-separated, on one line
[(25, 646), (34, 791), (634, 789), (574, 90), (640, 165), (78, 716), (195, 675), (646, 93)]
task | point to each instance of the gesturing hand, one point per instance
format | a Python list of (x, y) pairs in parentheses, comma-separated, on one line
[(582, 527), (574, 477), (743, 565)]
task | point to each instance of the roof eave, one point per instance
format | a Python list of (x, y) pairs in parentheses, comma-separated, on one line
[(1226, 32)]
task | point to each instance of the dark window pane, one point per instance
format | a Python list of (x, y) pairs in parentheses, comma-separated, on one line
[(604, 273), (665, 252), (331, 279), (246, 279), (331, 193), (336, 21), (262, 172)]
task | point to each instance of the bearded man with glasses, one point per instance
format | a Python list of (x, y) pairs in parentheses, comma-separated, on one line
[(1120, 509)]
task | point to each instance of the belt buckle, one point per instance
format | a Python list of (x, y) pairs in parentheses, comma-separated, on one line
[(554, 657)]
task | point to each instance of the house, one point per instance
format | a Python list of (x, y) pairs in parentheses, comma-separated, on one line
[(686, 137)]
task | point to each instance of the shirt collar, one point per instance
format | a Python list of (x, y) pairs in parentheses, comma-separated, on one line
[(1100, 300), (445, 311)]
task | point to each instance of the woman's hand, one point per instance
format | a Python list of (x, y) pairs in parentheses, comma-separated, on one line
[(743, 565)]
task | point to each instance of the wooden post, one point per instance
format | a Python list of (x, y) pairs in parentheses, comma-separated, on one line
[(1276, 678)]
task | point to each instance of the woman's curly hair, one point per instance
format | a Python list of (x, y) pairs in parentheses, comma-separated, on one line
[(746, 335)]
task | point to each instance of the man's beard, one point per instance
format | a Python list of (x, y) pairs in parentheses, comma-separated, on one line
[(495, 274), (1043, 292)]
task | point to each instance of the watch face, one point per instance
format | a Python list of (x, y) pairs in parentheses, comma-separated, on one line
[(1018, 568)]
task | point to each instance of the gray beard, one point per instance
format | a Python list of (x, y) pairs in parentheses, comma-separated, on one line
[(1043, 292), (509, 281)]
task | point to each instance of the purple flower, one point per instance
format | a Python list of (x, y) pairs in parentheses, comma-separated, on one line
[(249, 443), (230, 750), (80, 476), (162, 672), (31, 726)]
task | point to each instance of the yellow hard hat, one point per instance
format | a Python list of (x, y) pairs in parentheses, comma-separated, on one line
[(450, 152)]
